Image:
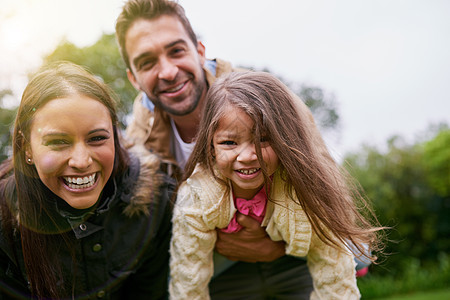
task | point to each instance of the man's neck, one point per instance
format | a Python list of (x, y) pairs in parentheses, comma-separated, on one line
[(187, 126)]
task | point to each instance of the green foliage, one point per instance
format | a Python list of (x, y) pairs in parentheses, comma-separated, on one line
[(437, 163), (414, 278), (398, 184), (323, 105), (6, 123), (104, 60)]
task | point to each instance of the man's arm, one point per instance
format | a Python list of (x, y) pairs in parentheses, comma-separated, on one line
[(251, 244)]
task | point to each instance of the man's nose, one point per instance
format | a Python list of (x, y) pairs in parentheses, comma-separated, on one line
[(168, 70)]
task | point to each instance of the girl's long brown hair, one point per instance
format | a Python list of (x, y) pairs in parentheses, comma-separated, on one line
[(339, 214), (23, 196)]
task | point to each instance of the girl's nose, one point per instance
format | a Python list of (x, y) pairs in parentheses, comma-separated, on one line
[(80, 157), (247, 153)]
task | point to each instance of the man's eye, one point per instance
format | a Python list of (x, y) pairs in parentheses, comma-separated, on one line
[(145, 64), (177, 50)]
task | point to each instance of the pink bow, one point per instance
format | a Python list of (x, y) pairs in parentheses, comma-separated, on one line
[(255, 208)]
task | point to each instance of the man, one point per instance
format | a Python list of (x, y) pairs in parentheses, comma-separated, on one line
[(168, 65)]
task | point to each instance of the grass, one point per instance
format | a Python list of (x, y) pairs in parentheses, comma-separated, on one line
[(414, 283), (434, 295)]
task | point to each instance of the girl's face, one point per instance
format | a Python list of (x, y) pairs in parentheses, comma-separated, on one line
[(72, 148), (235, 153)]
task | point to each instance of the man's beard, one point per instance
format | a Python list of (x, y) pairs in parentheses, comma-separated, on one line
[(196, 96)]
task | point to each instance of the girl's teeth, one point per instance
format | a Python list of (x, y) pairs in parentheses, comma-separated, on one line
[(248, 171)]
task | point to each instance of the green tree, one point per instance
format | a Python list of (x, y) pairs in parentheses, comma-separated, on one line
[(104, 60), (323, 105), (437, 162), (6, 123), (398, 184)]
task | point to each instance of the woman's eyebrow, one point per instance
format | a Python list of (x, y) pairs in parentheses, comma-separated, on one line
[(99, 130)]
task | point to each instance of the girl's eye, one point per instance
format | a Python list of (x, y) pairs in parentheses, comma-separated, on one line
[(264, 141), (228, 143)]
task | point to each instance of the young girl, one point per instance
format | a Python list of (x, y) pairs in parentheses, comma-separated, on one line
[(81, 218), (254, 156)]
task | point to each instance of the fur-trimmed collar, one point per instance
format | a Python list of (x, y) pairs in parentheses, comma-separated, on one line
[(146, 188)]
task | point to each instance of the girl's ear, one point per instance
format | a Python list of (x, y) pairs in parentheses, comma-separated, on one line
[(213, 152)]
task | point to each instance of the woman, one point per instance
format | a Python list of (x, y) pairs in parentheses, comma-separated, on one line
[(80, 217)]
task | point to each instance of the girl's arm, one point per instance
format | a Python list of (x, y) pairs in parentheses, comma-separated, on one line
[(191, 249), (332, 270)]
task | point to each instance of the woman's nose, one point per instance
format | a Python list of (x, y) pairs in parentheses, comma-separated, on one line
[(80, 157)]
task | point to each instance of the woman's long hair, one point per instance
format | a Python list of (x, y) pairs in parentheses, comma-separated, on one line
[(335, 208), (39, 231)]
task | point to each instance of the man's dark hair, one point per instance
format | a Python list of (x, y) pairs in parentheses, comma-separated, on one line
[(134, 10)]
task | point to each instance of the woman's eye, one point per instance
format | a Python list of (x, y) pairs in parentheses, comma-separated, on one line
[(56, 142), (99, 138)]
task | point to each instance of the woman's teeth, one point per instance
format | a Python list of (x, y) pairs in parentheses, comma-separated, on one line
[(80, 183), (248, 171)]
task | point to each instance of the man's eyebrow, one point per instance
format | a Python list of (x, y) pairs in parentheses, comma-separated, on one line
[(179, 41)]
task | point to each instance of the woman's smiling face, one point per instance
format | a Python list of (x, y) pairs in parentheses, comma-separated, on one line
[(72, 147)]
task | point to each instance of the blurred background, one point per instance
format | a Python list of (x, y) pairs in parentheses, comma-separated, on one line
[(376, 75)]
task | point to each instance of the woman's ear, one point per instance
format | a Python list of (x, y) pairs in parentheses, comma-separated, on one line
[(28, 154)]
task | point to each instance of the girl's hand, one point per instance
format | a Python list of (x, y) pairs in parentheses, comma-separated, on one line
[(251, 244)]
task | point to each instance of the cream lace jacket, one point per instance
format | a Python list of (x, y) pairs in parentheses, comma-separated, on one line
[(203, 205)]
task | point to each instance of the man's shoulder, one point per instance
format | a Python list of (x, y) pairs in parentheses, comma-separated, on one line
[(217, 67), (224, 67)]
